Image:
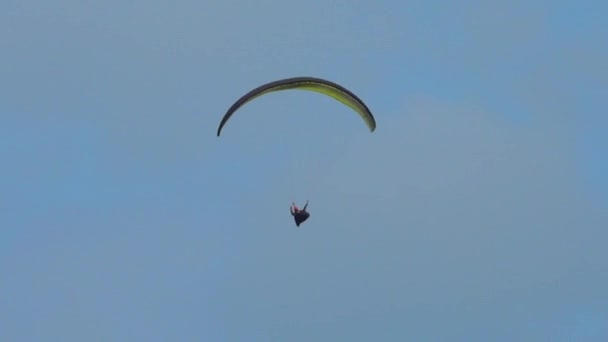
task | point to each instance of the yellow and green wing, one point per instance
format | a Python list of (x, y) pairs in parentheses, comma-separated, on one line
[(319, 85)]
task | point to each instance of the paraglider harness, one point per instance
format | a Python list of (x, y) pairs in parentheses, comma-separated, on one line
[(299, 215)]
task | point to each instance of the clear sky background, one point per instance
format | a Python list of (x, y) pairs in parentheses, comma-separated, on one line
[(477, 211)]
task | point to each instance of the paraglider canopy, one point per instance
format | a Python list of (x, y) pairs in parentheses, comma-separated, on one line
[(319, 85)]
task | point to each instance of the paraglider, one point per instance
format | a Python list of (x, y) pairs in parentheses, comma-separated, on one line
[(299, 215), (319, 85)]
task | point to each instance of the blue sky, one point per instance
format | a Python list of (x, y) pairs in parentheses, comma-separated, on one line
[(477, 211)]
